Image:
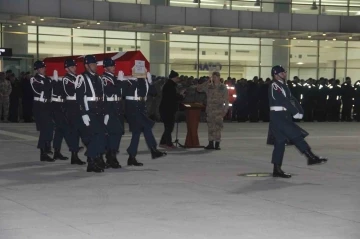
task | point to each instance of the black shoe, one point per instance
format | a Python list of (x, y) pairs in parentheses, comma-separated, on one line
[(210, 145), (93, 167), (99, 161), (44, 157), (58, 155), (133, 162), (111, 160), (278, 173), (217, 146), (312, 159), (156, 153), (48, 149), (75, 159)]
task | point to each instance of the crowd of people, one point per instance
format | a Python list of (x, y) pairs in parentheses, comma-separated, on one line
[(322, 100)]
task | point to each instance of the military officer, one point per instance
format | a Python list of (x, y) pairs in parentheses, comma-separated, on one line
[(282, 129), (89, 96), (135, 91), (72, 112), (61, 126), (114, 126), (42, 88), (216, 108)]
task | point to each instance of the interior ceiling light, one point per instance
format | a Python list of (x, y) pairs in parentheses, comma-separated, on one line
[(170, 32), (33, 22), (98, 23), (24, 23), (19, 24), (42, 19), (182, 30), (194, 28), (300, 63), (78, 27), (257, 3), (309, 36), (314, 6), (294, 38), (10, 25), (350, 38), (334, 39), (324, 34)]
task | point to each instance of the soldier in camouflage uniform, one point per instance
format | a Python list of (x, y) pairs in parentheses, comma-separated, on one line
[(5, 91), (216, 108)]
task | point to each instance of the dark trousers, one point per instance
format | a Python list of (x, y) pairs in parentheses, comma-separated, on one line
[(134, 144), (76, 126), (169, 124), (95, 136), (346, 111), (279, 148), (62, 129), (14, 109), (115, 130), (44, 124)]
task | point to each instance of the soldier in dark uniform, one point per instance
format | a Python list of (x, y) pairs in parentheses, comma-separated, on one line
[(61, 126), (347, 100), (321, 101), (89, 96), (282, 129), (72, 112), (334, 102), (114, 126), (135, 92), (307, 101), (42, 88), (357, 101)]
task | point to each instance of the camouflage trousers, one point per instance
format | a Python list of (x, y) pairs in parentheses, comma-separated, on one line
[(4, 107), (215, 126)]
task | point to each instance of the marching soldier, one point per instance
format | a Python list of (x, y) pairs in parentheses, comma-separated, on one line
[(72, 112), (112, 91), (282, 130), (89, 96), (61, 126), (135, 91), (216, 108), (42, 90)]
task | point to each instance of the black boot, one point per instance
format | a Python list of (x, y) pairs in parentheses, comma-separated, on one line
[(93, 167), (217, 146), (210, 145), (75, 159), (312, 159), (58, 155), (156, 153), (44, 157), (100, 162), (278, 173), (133, 162), (111, 159)]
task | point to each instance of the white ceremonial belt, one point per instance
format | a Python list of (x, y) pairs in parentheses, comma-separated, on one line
[(277, 108), (70, 97), (40, 99), (56, 99), (114, 98), (135, 98), (93, 98)]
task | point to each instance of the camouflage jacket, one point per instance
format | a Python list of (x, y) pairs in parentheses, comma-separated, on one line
[(5, 88), (217, 97)]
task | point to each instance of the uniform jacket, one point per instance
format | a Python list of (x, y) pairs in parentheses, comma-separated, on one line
[(135, 111), (217, 97), (281, 125), (42, 87), (5, 89)]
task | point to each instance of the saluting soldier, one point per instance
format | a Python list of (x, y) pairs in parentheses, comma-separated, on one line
[(114, 126), (135, 91), (282, 129), (89, 96), (42, 90), (72, 111)]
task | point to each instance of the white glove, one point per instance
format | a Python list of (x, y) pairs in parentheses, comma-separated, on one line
[(86, 120), (298, 116), (106, 119), (149, 77), (55, 75), (121, 76)]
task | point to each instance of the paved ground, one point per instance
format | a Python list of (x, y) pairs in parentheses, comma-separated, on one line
[(189, 194)]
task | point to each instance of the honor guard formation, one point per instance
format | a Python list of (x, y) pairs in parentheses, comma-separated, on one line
[(91, 108)]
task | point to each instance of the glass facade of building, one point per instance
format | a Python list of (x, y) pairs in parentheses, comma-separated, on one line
[(192, 55), (324, 7)]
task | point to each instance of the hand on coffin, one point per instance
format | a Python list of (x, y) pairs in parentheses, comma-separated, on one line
[(86, 120), (55, 75), (120, 76), (149, 77)]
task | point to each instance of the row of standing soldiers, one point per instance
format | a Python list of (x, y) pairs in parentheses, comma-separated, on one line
[(321, 100), (92, 108)]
